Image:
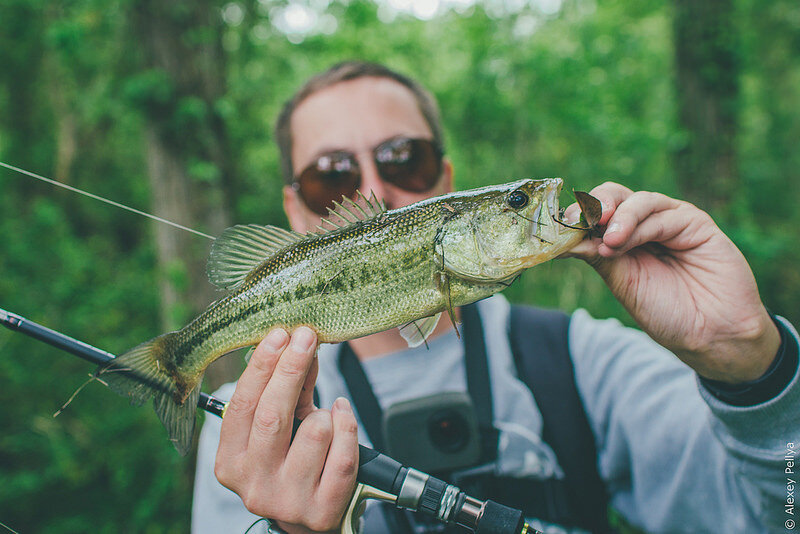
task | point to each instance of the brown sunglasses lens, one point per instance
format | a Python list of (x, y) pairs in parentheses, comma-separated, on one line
[(410, 164), (330, 178)]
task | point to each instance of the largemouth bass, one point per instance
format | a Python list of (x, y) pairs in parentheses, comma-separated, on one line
[(374, 270)]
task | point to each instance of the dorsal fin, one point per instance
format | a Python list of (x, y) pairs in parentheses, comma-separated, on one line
[(372, 205), (344, 211), (350, 211), (242, 248)]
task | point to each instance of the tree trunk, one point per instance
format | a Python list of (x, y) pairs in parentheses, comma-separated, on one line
[(188, 161), (707, 65), (66, 123)]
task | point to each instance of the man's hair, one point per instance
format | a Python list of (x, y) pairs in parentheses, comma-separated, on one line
[(350, 70)]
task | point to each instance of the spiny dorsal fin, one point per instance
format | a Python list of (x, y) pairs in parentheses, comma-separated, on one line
[(344, 212), (372, 203), (416, 332), (242, 248), (350, 211)]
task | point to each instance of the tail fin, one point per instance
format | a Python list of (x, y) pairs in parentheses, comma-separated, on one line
[(139, 375)]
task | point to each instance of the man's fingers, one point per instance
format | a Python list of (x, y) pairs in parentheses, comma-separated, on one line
[(679, 226), (586, 250), (339, 475), (305, 404), (609, 194), (239, 414), (630, 213), (273, 418), (309, 448), (657, 228)]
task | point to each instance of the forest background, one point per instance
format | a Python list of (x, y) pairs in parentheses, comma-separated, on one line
[(169, 107)]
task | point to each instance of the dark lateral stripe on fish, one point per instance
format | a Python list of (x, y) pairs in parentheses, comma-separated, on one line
[(198, 337), (406, 261)]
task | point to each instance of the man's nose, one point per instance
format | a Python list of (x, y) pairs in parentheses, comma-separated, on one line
[(371, 182)]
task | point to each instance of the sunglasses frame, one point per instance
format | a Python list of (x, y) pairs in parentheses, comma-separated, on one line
[(428, 144)]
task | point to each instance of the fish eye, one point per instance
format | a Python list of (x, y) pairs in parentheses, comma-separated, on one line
[(517, 200)]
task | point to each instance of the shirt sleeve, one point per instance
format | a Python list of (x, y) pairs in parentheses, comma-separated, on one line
[(215, 508), (770, 384), (676, 459)]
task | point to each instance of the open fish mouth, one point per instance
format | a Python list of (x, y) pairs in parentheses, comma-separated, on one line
[(545, 213), (552, 199), (533, 232)]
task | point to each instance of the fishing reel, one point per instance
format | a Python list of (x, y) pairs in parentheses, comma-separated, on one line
[(385, 479), (477, 516)]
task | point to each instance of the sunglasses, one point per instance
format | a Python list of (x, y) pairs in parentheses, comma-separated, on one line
[(413, 165)]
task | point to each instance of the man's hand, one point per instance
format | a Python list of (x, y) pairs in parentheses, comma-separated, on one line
[(305, 483), (683, 281)]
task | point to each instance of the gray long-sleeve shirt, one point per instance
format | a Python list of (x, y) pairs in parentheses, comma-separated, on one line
[(674, 458)]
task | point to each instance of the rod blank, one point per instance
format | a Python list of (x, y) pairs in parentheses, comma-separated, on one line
[(15, 322)]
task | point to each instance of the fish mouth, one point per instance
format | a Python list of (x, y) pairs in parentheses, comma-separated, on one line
[(551, 198), (545, 213)]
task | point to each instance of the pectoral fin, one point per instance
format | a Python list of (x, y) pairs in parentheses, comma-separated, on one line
[(444, 288), (416, 332)]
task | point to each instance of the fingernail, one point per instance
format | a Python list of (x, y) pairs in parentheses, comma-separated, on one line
[(342, 404), (276, 339), (613, 227), (302, 339)]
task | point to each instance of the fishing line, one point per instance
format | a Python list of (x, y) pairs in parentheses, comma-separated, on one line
[(102, 199), (92, 378), (257, 521)]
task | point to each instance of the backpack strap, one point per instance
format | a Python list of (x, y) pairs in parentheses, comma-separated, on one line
[(540, 345)]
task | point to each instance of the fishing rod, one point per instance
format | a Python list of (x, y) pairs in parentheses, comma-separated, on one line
[(379, 476)]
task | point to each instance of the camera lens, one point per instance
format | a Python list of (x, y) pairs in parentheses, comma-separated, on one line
[(448, 430)]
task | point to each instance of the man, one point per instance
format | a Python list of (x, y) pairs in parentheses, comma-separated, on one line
[(693, 443)]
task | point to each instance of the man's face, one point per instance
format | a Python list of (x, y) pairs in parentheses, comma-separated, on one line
[(356, 116)]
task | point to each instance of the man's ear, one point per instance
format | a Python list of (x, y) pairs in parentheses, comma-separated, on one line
[(447, 175), (296, 211)]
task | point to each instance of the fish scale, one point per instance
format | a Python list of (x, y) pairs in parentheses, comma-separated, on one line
[(398, 268)]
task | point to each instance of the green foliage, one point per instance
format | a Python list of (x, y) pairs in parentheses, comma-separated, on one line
[(585, 93), (149, 89)]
